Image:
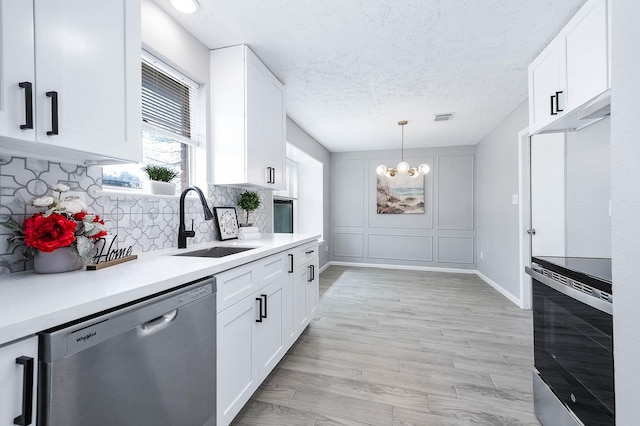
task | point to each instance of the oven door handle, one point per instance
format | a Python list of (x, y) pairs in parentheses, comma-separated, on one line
[(596, 303)]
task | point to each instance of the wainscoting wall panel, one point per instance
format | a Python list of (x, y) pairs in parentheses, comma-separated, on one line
[(348, 245), (443, 236), (348, 193), (456, 250), (455, 192), (401, 247)]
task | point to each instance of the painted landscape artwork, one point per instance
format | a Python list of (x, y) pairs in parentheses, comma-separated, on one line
[(400, 194)]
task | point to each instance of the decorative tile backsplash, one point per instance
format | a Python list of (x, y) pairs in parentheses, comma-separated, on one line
[(147, 222)]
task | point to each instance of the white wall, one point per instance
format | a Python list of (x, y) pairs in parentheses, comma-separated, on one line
[(625, 184), (497, 217), (443, 236)]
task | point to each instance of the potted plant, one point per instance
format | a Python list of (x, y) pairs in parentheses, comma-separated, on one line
[(248, 201), (160, 178)]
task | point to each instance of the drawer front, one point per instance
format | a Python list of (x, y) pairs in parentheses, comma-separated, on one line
[(304, 253), (273, 268), (236, 284)]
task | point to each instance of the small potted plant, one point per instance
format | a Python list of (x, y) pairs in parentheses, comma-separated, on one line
[(248, 201), (160, 178)]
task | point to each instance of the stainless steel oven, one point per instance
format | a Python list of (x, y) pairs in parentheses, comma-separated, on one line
[(573, 346)]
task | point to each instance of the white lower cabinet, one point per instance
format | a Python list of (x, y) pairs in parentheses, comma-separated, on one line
[(305, 295), (255, 331), (18, 372)]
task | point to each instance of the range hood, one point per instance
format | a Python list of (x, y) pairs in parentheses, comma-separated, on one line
[(598, 108), (591, 112)]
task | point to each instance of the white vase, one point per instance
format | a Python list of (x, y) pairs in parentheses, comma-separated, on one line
[(64, 259), (160, 188)]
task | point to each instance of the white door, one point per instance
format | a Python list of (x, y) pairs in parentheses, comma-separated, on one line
[(587, 62), (14, 359), (301, 276), (548, 194), (275, 132), (87, 70), (17, 75), (268, 333), (546, 81), (235, 369), (256, 172)]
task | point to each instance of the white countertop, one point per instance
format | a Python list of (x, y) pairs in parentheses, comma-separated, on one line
[(31, 302)]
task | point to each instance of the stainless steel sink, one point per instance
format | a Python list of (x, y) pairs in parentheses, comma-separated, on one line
[(215, 252)]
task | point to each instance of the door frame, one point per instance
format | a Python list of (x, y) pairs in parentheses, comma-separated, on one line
[(524, 214)]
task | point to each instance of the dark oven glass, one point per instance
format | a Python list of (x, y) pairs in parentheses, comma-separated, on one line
[(573, 350)]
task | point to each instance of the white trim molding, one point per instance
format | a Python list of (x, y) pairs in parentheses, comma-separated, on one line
[(500, 289)]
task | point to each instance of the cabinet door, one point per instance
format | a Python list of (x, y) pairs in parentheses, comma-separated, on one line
[(288, 317), (235, 367), (587, 61), (268, 333), (546, 78), (12, 384), (255, 121), (312, 291), (275, 132), (88, 55), (16, 62), (305, 292)]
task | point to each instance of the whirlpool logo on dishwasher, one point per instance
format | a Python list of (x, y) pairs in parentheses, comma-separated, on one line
[(85, 337)]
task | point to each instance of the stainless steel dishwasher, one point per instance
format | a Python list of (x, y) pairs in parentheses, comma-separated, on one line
[(151, 362)]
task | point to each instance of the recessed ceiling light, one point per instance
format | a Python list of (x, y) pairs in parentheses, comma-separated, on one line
[(186, 6)]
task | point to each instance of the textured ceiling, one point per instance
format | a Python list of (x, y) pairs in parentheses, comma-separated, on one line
[(353, 68)]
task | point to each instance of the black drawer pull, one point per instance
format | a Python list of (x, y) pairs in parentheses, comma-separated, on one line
[(291, 263), (259, 299), (552, 105), (25, 418), (264, 296), (28, 104), (309, 251), (54, 113)]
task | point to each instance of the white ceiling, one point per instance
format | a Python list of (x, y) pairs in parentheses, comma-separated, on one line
[(353, 68)]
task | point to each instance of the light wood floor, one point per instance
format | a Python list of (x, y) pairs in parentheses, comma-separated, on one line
[(395, 347)]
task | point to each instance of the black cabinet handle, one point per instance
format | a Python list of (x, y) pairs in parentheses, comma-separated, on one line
[(259, 299), (273, 178), (310, 274), (552, 105), (54, 113), (269, 172), (264, 296), (309, 251), (313, 272), (290, 263), (558, 102), (25, 418), (28, 104)]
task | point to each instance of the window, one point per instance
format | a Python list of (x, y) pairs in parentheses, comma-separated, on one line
[(169, 129)]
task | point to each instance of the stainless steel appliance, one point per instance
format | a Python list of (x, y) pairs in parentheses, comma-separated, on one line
[(573, 341), (151, 362)]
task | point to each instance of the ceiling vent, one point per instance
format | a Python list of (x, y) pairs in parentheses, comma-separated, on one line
[(444, 117)]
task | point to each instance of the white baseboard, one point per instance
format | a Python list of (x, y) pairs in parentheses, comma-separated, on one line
[(501, 289), (326, 265), (407, 267)]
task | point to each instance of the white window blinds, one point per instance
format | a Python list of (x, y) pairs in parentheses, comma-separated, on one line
[(168, 105)]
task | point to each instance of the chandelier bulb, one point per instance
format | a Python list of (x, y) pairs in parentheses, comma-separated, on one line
[(424, 168), (381, 170), (403, 167)]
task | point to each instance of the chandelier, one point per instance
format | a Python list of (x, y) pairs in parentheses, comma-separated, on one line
[(403, 167)]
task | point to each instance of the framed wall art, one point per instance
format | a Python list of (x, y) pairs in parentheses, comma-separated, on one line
[(227, 222), (401, 194)]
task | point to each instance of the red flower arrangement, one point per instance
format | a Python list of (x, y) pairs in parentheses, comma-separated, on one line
[(65, 223)]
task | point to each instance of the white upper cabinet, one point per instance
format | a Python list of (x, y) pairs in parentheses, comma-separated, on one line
[(248, 121), (86, 88), (17, 72), (571, 71)]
